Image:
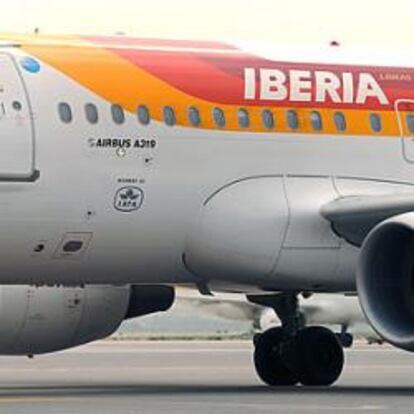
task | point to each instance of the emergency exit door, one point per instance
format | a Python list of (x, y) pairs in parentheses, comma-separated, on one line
[(405, 114), (16, 125)]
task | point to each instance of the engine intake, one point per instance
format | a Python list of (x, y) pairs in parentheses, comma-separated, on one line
[(385, 280)]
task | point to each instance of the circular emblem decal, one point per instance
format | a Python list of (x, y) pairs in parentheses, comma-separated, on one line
[(30, 65), (128, 199)]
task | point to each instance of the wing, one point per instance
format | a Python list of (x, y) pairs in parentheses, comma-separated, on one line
[(354, 217)]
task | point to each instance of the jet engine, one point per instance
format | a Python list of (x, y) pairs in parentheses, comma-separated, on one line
[(39, 320), (385, 280)]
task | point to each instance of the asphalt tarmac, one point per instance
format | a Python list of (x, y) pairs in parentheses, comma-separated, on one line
[(195, 377)]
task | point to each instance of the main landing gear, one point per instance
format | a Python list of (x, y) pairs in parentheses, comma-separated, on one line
[(293, 354)]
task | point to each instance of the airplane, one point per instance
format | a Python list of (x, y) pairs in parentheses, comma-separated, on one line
[(230, 167)]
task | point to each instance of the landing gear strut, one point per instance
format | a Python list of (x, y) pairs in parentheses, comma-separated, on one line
[(293, 353), (345, 338)]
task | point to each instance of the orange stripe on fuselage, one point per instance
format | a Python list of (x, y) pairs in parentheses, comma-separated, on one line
[(118, 80)]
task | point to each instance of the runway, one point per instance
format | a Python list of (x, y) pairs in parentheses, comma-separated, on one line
[(195, 377)]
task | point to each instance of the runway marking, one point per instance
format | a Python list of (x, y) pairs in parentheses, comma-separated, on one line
[(177, 350), (38, 400), (298, 408)]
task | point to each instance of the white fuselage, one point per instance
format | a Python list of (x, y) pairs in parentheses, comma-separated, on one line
[(74, 197)]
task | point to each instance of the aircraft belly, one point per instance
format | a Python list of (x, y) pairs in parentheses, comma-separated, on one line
[(71, 254)]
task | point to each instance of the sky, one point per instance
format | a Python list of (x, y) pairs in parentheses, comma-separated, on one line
[(351, 22)]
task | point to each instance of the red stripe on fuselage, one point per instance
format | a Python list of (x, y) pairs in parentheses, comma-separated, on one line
[(219, 77)]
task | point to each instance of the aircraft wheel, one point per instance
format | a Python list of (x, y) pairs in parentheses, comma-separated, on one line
[(320, 357), (268, 361)]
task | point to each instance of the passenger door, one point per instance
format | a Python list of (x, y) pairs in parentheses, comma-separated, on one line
[(405, 115), (16, 125)]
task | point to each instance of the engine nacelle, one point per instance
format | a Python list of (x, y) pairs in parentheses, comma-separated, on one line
[(385, 280), (39, 320)]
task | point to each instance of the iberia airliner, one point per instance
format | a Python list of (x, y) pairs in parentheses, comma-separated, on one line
[(129, 166)]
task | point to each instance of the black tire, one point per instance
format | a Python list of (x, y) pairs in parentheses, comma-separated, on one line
[(320, 356), (268, 361)]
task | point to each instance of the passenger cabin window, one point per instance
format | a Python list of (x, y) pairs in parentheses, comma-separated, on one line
[(194, 116), (243, 117), (268, 119), (376, 123), (65, 113), (340, 121), (316, 121), (219, 117), (292, 119), (118, 114), (169, 116), (144, 116), (91, 112), (410, 123)]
